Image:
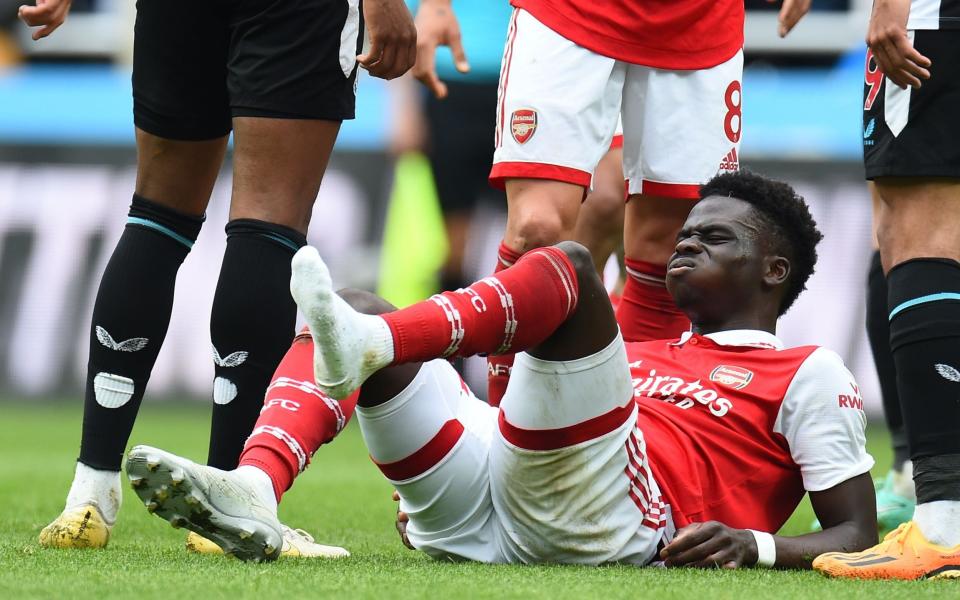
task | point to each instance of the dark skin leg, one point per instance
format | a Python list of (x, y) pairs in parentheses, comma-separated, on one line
[(277, 168), (590, 328), (177, 174)]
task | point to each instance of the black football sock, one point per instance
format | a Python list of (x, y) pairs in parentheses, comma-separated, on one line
[(924, 302), (878, 333), (251, 326), (130, 319)]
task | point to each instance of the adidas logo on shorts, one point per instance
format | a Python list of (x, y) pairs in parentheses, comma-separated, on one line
[(730, 162)]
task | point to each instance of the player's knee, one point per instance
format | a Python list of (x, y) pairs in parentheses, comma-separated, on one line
[(538, 230), (580, 257), (605, 207), (366, 302)]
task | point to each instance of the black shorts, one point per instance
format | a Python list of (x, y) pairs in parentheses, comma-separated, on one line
[(198, 63), (915, 133), (460, 144)]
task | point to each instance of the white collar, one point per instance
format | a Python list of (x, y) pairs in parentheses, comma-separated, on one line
[(754, 338)]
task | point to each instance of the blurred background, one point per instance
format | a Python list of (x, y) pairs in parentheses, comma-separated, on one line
[(67, 160)]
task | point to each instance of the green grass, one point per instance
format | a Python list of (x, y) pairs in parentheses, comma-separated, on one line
[(342, 500)]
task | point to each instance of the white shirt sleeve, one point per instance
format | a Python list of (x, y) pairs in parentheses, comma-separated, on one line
[(823, 421)]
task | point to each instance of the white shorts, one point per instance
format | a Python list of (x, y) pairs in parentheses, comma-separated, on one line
[(558, 474), (559, 103)]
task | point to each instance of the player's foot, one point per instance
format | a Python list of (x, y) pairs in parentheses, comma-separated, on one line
[(219, 505), (348, 346), (903, 554), (297, 543), (77, 527), (893, 507)]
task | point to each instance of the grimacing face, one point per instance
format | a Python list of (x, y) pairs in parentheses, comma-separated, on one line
[(717, 267)]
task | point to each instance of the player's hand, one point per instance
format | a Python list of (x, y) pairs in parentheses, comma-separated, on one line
[(402, 520), (892, 48), (47, 15), (437, 26), (710, 545), (790, 14), (393, 39)]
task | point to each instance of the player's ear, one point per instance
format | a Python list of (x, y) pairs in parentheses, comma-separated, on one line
[(776, 270)]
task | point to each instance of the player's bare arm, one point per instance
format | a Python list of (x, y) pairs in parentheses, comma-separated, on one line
[(47, 15), (891, 46), (847, 512), (393, 39), (437, 26), (790, 14)]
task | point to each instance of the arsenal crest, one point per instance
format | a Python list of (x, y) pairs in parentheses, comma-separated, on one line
[(735, 377), (523, 124)]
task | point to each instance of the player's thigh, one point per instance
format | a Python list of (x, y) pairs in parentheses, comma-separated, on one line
[(278, 165), (920, 217), (432, 442), (681, 128), (557, 108), (569, 477), (180, 105), (291, 82)]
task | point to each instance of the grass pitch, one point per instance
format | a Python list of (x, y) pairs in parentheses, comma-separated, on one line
[(341, 499)]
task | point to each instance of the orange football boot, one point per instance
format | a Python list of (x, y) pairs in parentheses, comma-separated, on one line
[(903, 554)]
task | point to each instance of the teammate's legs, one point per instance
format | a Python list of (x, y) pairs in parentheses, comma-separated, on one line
[(600, 222), (182, 120), (546, 150), (646, 310), (680, 129), (291, 79)]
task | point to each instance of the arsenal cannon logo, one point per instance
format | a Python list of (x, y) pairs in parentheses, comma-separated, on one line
[(523, 124)]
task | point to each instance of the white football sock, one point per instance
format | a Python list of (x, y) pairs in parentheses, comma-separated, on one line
[(903, 482), (260, 482), (939, 521), (94, 486)]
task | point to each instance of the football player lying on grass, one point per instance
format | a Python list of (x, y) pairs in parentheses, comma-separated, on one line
[(690, 451)]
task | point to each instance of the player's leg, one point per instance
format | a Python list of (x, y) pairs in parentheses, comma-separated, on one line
[(896, 495), (600, 222), (182, 121), (291, 83), (422, 425), (568, 470), (646, 310), (680, 129), (546, 149), (911, 154)]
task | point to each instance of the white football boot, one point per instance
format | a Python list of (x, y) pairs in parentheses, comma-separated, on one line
[(223, 506)]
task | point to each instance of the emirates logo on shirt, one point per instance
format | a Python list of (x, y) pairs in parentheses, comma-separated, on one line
[(523, 124), (735, 377)]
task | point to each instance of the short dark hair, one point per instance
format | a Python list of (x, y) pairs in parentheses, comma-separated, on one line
[(792, 231)]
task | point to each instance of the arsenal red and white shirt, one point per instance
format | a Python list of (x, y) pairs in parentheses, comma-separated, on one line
[(665, 34), (738, 427)]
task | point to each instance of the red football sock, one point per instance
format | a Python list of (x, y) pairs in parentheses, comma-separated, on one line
[(296, 419), (646, 310), (509, 312), (498, 366)]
